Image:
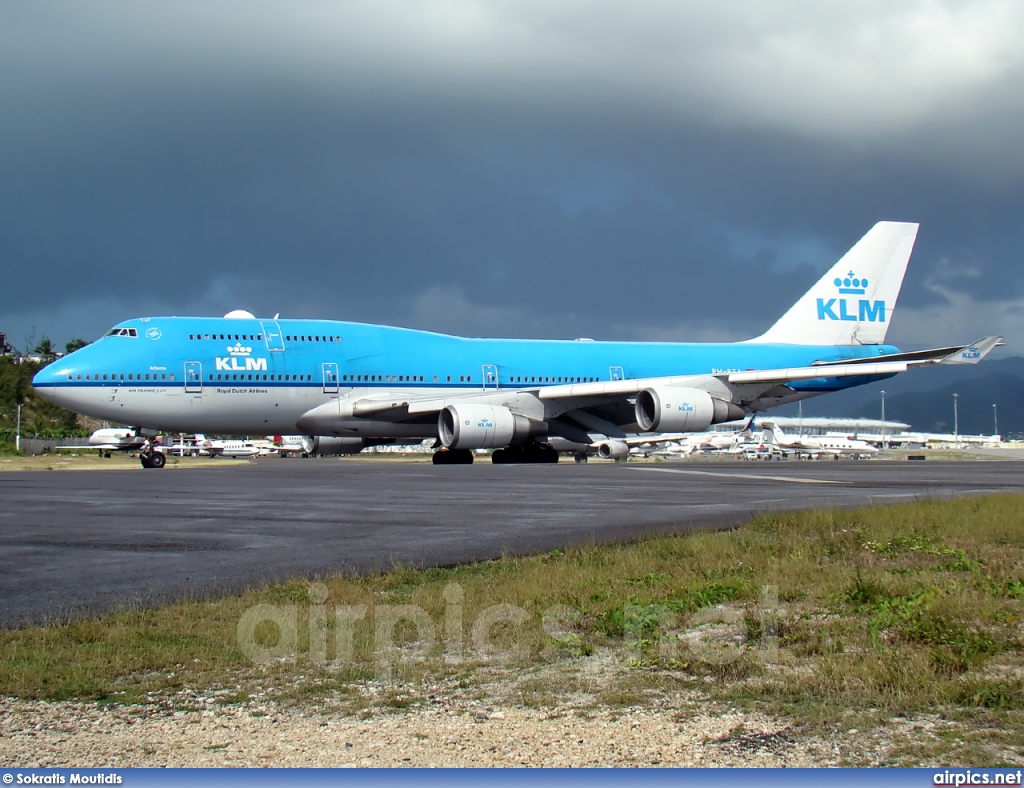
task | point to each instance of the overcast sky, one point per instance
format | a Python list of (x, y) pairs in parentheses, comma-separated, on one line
[(543, 168)]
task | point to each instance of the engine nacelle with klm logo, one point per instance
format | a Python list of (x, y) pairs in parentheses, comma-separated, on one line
[(682, 409), (484, 427)]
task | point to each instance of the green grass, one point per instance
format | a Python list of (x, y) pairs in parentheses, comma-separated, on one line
[(903, 610)]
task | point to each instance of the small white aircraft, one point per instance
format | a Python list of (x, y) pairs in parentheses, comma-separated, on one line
[(109, 439), (324, 446), (288, 445), (753, 446), (819, 446), (230, 448), (616, 448)]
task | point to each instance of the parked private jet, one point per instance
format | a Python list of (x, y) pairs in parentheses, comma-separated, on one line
[(817, 446), (226, 448), (111, 439)]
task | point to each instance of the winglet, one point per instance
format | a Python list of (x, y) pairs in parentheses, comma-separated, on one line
[(972, 354)]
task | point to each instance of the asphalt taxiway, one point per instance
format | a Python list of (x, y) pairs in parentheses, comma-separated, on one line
[(77, 543)]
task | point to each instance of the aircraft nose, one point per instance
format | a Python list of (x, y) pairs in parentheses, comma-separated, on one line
[(45, 377), (45, 382)]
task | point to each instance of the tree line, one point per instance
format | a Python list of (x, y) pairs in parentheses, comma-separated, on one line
[(39, 417)]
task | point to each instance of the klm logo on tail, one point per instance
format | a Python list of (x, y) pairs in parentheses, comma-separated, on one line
[(846, 308)]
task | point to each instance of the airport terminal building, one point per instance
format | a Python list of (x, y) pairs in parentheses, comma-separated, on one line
[(875, 431)]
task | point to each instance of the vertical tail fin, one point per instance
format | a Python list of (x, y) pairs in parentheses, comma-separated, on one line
[(853, 303)]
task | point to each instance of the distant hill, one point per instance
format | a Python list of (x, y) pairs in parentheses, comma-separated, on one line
[(924, 398)]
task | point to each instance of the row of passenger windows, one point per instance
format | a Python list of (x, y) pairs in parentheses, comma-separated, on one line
[(550, 379), (385, 378), (124, 376), (260, 377), (256, 337), (465, 379), (345, 378)]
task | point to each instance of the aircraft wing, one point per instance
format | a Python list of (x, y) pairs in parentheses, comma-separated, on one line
[(551, 400), (657, 437), (99, 447), (957, 354), (879, 365)]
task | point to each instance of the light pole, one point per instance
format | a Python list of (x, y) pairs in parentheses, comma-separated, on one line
[(956, 422), (882, 392), (995, 421), (17, 433)]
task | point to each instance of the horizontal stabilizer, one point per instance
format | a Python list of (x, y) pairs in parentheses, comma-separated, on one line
[(972, 354)]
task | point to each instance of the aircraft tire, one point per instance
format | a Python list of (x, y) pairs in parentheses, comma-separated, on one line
[(145, 459), (540, 454), (581, 457), (157, 460), (453, 457)]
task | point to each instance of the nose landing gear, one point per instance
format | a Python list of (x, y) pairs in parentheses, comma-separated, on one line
[(152, 459)]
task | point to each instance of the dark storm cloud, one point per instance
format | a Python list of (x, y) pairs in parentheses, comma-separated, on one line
[(522, 169)]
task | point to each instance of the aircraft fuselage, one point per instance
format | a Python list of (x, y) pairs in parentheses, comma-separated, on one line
[(250, 376)]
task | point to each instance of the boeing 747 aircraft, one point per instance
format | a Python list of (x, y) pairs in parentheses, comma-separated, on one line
[(243, 375)]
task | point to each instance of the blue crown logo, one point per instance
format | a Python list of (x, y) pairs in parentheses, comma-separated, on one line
[(851, 285)]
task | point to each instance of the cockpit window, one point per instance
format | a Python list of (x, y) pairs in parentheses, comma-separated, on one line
[(122, 332)]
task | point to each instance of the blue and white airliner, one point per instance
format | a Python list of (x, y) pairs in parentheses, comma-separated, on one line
[(528, 399)]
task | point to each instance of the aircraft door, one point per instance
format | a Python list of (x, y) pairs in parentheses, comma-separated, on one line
[(616, 373), (272, 334), (330, 377), (193, 377), (490, 376)]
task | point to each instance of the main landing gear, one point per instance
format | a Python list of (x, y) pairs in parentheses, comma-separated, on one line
[(152, 459), (533, 453), (519, 455), (453, 457)]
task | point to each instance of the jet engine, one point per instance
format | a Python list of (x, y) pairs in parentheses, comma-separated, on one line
[(680, 409), (612, 450), (484, 427)]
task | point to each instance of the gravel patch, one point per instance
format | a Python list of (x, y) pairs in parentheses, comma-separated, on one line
[(38, 735)]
